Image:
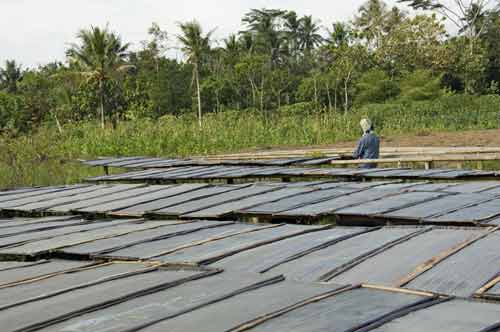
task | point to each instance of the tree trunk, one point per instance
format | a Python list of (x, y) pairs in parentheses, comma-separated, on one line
[(199, 96), (315, 92), (335, 97), (252, 85), (262, 96), (328, 96), (346, 96), (101, 101)]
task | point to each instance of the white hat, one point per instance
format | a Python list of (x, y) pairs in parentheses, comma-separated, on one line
[(366, 125)]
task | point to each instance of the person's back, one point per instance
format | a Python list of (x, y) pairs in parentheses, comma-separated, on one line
[(368, 146)]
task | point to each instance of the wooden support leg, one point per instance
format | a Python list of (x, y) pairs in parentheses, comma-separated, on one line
[(106, 170), (428, 165)]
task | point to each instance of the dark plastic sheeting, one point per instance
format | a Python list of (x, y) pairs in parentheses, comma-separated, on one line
[(340, 313), (262, 258), (329, 206), (296, 201), (4, 266), (232, 312), (42, 246), (434, 187), (18, 196), (230, 207), (437, 206), (158, 305), (214, 200), (313, 266), (106, 161), (24, 271), (149, 249), (16, 222), (40, 226), (474, 187), (37, 312), (164, 192), (451, 316), (129, 240), (174, 200), (43, 197), (465, 272), (477, 213), (106, 199), (390, 266), (234, 244), (63, 282), (52, 233), (389, 203)]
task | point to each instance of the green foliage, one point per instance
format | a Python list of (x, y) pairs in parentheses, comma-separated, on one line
[(420, 85), (375, 86)]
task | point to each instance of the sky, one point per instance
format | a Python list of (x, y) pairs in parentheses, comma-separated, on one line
[(35, 32)]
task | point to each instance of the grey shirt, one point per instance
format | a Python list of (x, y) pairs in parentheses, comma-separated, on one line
[(368, 148)]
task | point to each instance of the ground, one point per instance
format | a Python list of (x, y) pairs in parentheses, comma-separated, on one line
[(479, 138)]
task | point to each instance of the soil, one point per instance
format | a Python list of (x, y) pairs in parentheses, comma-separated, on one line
[(473, 138)]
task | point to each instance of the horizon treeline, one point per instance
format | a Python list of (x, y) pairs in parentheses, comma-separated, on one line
[(281, 61)]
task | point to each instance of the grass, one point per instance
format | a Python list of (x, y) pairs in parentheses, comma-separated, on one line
[(46, 156)]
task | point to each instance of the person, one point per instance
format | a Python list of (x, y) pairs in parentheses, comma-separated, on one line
[(368, 145)]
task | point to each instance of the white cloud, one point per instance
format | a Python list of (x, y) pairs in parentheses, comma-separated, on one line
[(36, 32)]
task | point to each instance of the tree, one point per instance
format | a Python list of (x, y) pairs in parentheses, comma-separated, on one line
[(99, 57), (421, 85), (195, 46), (375, 86), (265, 27), (309, 36), (341, 34), (370, 21), (10, 76), (468, 16)]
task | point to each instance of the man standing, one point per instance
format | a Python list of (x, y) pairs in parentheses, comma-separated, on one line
[(368, 146)]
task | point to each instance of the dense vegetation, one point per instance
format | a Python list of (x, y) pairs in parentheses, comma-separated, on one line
[(283, 79)]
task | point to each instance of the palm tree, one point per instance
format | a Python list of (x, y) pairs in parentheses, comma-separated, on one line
[(100, 56), (371, 20), (265, 27), (10, 76), (339, 35), (292, 27), (195, 46), (309, 37)]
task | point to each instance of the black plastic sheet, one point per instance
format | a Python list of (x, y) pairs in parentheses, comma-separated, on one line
[(148, 249), (391, 266), (63, 282), (465, 272), (230, 207), (165, 303), (227, 314), (262, 258), (174, 200), (136, 238), (452, 316), (214, 200), (38, 247), (341, 312), (33, 315), (390, 203), (319, 263), (211, 251)]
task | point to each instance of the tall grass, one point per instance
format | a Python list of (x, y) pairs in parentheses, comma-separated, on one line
[(45, 157)]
